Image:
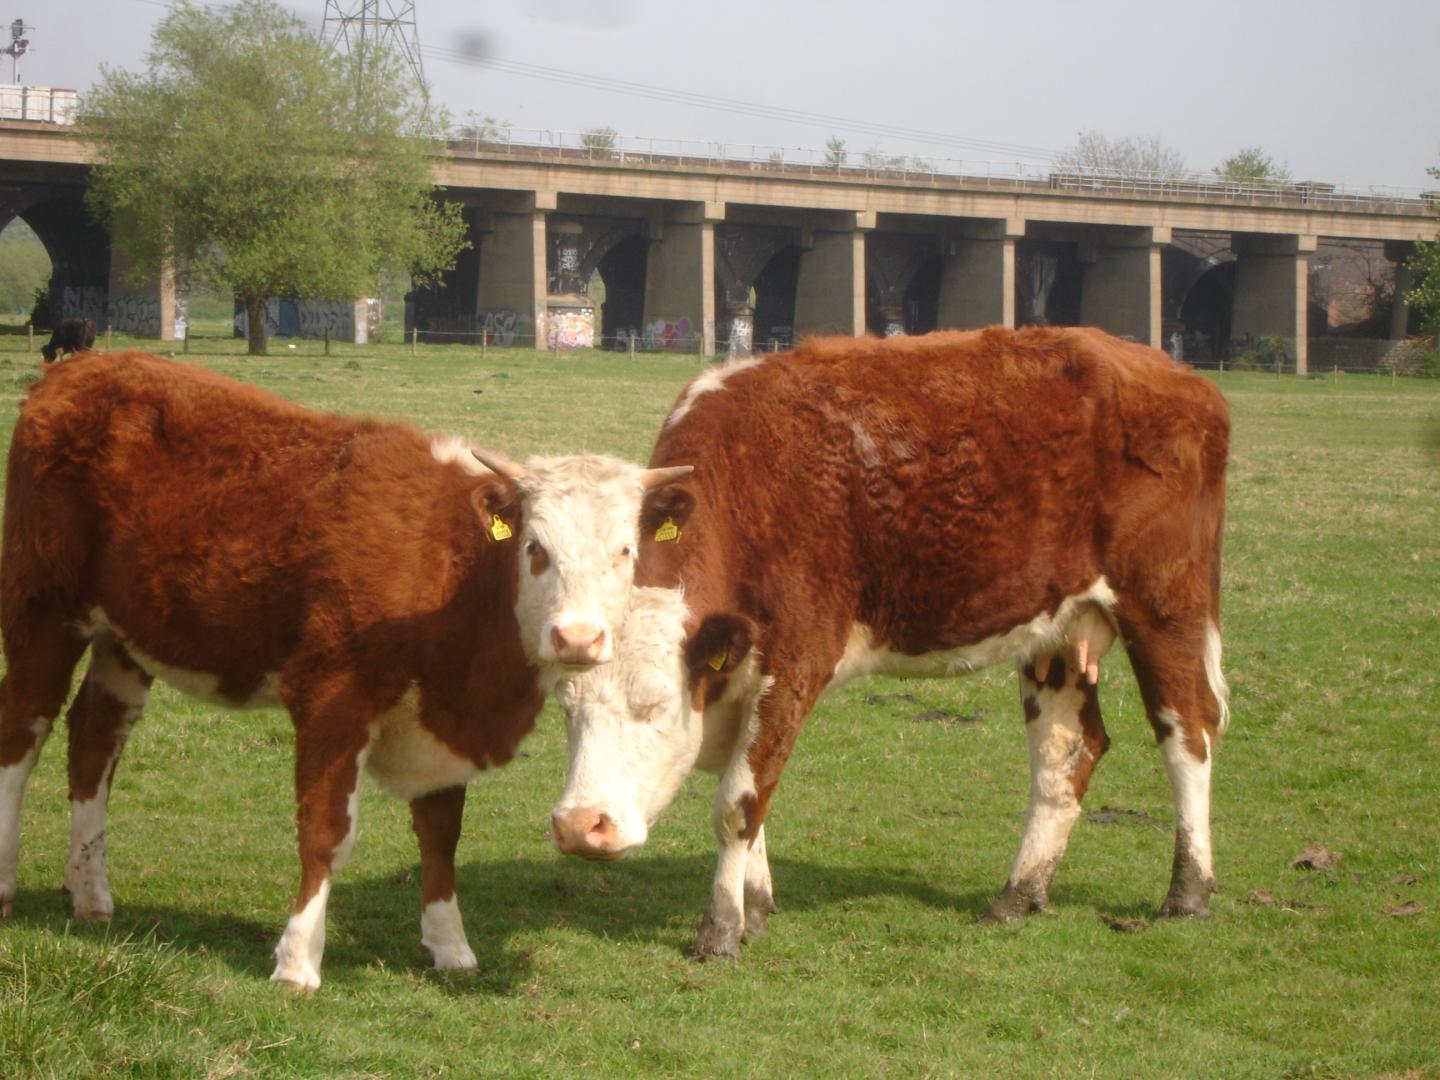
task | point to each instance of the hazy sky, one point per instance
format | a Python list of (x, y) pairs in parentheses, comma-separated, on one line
[(1338, 91)]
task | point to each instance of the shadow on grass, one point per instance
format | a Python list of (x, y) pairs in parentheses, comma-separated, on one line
[(654, 899)]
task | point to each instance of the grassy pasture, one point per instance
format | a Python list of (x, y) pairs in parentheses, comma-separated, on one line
[(889, 835)]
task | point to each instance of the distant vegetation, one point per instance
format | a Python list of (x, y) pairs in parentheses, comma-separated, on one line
[(24, 267)]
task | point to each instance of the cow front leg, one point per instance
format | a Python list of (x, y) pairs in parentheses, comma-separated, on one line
[(437, 818), (722, 927), (327, 789), (110, 701), (742, 871), (1066, 738), (759, 892)]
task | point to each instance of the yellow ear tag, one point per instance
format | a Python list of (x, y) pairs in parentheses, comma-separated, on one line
[(717, 660), (499, 530), (668, 533)]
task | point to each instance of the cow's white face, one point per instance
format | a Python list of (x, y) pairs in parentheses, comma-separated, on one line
[(577, 539), (636, 726)]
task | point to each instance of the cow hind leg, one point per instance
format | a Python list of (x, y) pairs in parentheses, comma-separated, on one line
[(328, 762), (40, 658), (1066, 738), (437, 818), (107, 706), (1186, 699)]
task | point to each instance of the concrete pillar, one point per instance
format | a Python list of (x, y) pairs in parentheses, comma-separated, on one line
[(830, 289), (977, 278), (1271, 291), (680, 278), (141, 310), (510, 292), (740, 329), (1398, 253), (566, 239), (1121, 290)]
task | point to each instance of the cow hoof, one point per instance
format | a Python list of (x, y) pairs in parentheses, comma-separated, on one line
[(94, 913), (7, 908), (455, 958), (759, 906), (717, 940), (1185, 907), (1015, 903), (299, 977)]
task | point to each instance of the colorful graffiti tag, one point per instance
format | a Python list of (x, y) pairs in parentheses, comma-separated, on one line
[(667, 336)]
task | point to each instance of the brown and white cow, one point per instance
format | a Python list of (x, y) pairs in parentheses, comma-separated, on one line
[(409, 607), (922, 506)]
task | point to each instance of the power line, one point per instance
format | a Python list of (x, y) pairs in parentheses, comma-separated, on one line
[(736, 106)]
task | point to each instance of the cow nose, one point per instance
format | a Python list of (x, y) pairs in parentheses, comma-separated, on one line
[(578, 643), (586, 832)]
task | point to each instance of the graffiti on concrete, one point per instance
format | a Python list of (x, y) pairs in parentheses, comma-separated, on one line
[(356, 322), (85, 301), (570, 328), (135, 315), (669, 335), (742, 332), (504, 327)]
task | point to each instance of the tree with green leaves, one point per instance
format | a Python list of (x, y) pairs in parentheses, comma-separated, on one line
[(1251, 164), (835, 152), (1424, 297), (250, 156)]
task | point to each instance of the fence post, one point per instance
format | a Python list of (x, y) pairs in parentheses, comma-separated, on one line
[(327, 341), (1335, 375), (631, 336), (414, 338), (29, 337), (484, 341), (109, 332)]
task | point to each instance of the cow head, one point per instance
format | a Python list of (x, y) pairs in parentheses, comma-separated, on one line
[(575, 522), (637, 726)]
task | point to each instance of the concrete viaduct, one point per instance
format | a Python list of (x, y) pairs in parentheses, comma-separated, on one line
[(710, 254)]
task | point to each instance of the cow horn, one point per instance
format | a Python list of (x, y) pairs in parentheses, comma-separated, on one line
[(653, 478), (499, 464)]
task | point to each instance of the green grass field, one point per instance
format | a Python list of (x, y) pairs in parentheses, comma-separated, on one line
[(888, 837)]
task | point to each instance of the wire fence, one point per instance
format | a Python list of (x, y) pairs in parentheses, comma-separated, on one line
[(624, 151)]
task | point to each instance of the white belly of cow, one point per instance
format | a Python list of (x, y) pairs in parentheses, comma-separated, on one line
[(203, 685), (1020, 643), (407, 761)]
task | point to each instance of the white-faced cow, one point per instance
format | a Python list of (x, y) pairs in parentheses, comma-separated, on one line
[(408, 606), (921, 506)]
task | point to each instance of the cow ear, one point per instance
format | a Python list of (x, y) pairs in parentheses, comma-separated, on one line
[(670, 504), (719, 645), (497, 504)]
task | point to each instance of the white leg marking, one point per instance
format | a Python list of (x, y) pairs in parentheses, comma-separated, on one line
[(352, 808), (1190, 783), (442, 932), (757, 868), (297, 957), (1056, 743), (86, 874), (12, 795), (1215, 676)]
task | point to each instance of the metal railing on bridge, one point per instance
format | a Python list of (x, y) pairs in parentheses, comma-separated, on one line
[(873, 167)]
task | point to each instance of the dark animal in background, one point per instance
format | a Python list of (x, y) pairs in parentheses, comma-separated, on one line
[(72, 335)]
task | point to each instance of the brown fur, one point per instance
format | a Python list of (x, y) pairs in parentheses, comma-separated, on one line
[(226, 531), (942, 490)]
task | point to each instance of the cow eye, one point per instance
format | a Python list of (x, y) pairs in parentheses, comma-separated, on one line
[(624, 555), (539, 558), (647, 713)]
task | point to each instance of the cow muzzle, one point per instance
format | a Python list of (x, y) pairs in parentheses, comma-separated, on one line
[(579, 645), (587, 832)]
